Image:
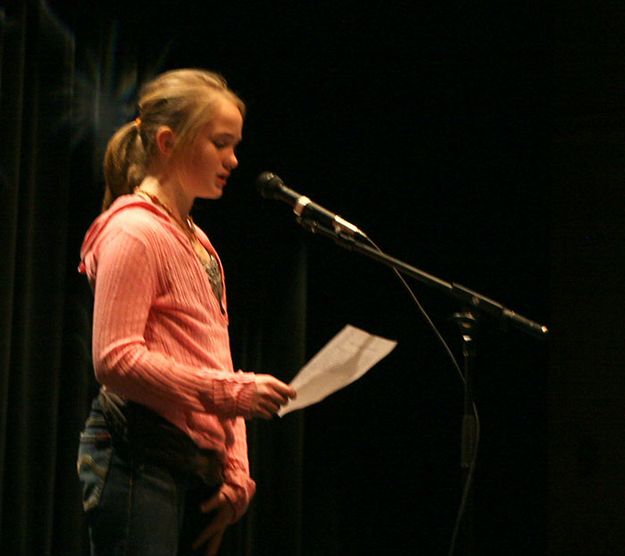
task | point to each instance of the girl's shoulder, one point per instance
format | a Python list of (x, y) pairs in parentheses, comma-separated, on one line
[(134, 215)]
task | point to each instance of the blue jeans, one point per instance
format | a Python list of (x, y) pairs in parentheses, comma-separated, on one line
[(135, 507)]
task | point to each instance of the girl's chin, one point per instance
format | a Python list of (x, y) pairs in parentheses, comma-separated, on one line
[(213, 194)]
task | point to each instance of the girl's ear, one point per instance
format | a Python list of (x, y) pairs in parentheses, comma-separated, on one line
[(165, 141)]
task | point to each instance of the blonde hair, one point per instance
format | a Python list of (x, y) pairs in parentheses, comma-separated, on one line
[(184, 100)]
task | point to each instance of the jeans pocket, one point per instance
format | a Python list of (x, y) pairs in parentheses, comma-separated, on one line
[(94, 459)]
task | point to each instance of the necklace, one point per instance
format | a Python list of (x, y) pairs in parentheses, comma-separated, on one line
[(207, 260), (187, 225)]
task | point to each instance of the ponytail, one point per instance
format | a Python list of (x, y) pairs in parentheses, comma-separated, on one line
[(124, 163)]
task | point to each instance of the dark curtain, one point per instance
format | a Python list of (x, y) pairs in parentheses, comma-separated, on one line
[(50, 191), (587, 386), (37, 61)]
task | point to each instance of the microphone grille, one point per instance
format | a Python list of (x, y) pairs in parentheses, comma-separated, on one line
[(267, 184)]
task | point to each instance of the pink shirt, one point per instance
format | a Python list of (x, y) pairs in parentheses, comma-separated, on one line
[(159, 336)]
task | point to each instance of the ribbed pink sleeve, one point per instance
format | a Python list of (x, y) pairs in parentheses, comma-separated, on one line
[(238, 487), (159, 339), (125, 293)]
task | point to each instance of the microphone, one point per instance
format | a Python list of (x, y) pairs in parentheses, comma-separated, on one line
[(271, 186)]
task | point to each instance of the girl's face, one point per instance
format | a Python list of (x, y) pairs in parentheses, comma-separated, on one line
[(213, 158)]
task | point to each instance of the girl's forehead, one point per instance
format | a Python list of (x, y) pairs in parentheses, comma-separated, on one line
[(226, 118)]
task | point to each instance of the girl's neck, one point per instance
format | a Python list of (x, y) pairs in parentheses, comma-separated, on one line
[(169, 194)]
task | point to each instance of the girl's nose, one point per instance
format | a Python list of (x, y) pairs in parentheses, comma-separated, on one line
[(232, 162)]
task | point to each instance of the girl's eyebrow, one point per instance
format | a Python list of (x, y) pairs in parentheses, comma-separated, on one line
[(228, 135)]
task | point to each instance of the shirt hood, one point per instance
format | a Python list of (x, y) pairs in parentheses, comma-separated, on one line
[(97, 230)]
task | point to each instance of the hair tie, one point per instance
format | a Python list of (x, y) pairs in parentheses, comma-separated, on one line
[(137, 122)]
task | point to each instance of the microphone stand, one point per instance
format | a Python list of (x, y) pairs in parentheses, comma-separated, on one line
[(469, 297), (468, 324), (467, 321)]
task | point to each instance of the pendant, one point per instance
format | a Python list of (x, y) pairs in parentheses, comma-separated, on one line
[(214, 277)]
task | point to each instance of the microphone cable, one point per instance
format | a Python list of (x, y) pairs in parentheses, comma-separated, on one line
[(272, 187), (462, 375)]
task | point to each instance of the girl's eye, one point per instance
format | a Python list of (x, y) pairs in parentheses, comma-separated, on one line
[(220, 144)]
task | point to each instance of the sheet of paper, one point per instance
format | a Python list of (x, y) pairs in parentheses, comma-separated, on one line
[(344, 359)]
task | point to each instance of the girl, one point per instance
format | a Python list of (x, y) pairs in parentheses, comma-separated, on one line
[(163, 457)]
